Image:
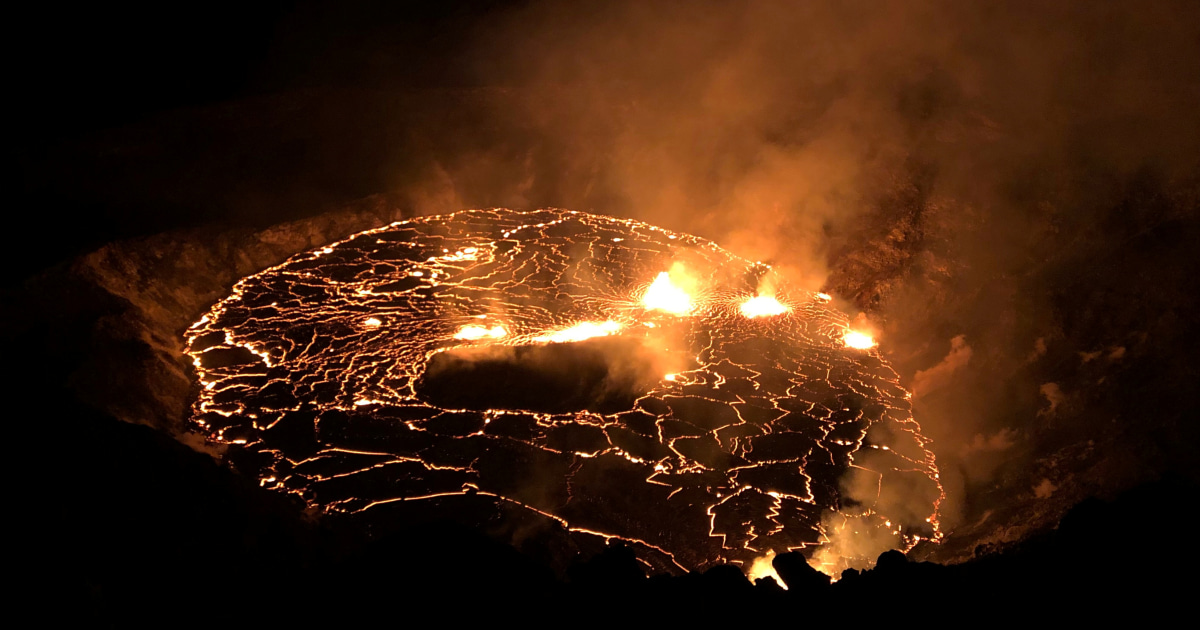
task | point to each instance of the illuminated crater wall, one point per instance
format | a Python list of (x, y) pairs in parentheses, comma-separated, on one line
[(618, 379)]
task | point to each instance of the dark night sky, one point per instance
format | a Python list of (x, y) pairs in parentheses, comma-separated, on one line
[(84, 73), (88, 67)]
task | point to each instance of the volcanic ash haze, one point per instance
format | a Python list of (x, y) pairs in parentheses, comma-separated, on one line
[(964, 174)]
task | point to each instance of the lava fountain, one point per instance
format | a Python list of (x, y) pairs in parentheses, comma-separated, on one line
[(615, 379)]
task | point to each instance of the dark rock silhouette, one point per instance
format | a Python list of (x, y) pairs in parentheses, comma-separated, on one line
[(614, 569), (795, 571)]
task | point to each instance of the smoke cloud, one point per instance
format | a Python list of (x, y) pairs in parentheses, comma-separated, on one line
[(1008, 191), (937, 376), (938, 164), (998, 187)]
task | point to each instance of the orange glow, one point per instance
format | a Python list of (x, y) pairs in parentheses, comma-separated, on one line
[(665, 295), (858, 340), (762, 567), (473, 332), (579, 332), (763, 306)]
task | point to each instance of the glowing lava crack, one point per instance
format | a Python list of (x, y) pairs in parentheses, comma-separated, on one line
[(622, 380)]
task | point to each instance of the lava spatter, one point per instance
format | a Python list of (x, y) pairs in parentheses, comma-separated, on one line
[(549, 361)]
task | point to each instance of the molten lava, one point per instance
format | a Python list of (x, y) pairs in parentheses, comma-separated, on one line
[(665, 295), (494, 362), (472, 332), (579, 332), (763, 306), (858, 340)]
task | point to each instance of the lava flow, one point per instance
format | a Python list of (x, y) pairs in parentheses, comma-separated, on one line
[(621, 380)]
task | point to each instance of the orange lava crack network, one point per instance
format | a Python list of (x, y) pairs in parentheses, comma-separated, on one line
[(746, 441)]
